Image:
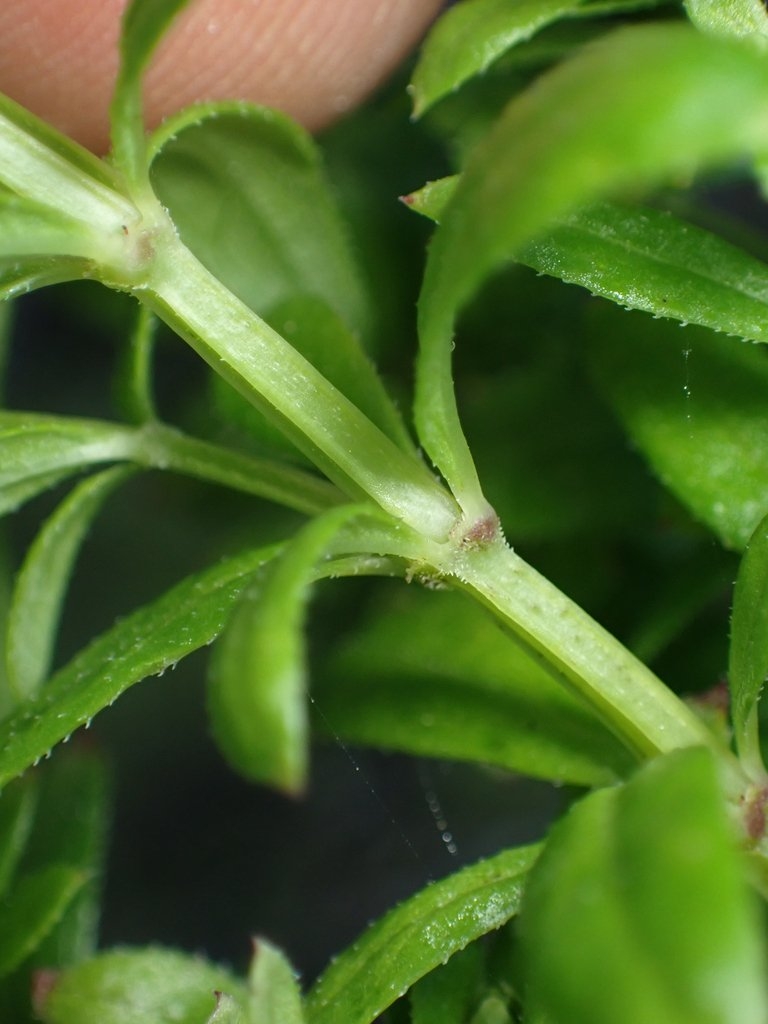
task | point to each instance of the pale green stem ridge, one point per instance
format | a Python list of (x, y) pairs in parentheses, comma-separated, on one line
[(630, 699), (632, 702), (265, 368)]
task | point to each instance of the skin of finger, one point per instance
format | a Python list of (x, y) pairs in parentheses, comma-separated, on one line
[(313, 59)]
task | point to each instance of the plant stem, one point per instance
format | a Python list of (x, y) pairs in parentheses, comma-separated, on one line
[(626, 695), (265, 368)]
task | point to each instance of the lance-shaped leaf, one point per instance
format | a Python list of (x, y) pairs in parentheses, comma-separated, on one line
[(138, 986), (471, 36), (274, 996), (645, 885), (41, 584), (474, 34), (435, 676), (187, 617), (244, 179), (417, 936), (643, 104), (695, 404), (643, 259), (748, 660), (32, 909), (144, 23), (257, 690)]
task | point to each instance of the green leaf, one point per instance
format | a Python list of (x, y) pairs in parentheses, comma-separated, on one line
[(748, 660), (644, 104), (71, 828), (257, 686), (417, 936), (239, 179), (695, 404), (448, 994), (34, 906), (434, 675), (737, 18), (139, 986), (187, 617), (144, 23), (643, 259), (274, 996), (644, 885), (18, 803), (42, 581), (227, 1011), (471, 36)]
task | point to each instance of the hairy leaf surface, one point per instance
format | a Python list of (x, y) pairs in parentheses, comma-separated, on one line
[(257, 691), (739, 18), (187, 617), (137, 986), (642, 259), (415, 937)]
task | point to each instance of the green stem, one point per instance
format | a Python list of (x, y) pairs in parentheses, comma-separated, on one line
[(265, 368), (165, 448), (628, 697), (632, 702)]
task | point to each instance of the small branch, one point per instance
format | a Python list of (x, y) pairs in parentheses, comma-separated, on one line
[(270, 373)]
